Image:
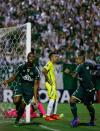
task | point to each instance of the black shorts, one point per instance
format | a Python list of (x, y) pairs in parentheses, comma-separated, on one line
[(81, 95), (26, 93)]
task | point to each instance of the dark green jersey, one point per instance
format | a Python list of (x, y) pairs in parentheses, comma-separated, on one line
[(68, 80), (85, 76), (27, 75)]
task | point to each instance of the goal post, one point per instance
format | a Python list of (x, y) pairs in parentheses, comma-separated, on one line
[(15, 44), (28, 49), (28, 38)]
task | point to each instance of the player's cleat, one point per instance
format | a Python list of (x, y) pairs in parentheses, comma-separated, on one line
[(49, 118), (44, 116), (91, 124), (75, 122), (56, 116), (17, 121), (61, 115)]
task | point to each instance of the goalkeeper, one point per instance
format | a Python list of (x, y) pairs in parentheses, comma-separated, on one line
[(50, 84), (27, 87)]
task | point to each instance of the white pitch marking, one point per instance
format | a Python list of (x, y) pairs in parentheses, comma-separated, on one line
[(5, 122), (46, 127)]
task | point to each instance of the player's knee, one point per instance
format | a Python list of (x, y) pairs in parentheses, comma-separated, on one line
[(16, 100)]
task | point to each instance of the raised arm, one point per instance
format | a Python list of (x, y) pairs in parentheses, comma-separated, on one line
[(9, 80)]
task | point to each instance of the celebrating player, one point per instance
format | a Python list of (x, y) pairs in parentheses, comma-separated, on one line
[(27, 87), (50, 84), (85, 92)]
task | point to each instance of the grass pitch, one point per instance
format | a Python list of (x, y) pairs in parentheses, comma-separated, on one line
[(39, 124)]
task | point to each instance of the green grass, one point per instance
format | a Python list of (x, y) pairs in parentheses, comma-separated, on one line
[(39, 124)]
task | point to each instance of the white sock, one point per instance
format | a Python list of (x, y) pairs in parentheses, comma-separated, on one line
[(55, 107), (50, 107)]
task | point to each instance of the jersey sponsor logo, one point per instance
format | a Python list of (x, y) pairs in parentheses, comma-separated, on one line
[(63, 96), (27, 78)]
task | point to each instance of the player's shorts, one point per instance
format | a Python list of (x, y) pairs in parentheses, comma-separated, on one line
[(17, 91), (71, 91), (84, 96), (25, 91), (52, 95)]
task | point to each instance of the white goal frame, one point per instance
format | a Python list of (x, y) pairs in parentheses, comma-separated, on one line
[(5, 31)]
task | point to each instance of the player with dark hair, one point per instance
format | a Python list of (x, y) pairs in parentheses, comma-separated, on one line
[(50, 84), (27, 88), (85, 92)]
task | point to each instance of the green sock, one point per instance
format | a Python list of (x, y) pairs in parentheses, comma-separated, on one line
[(91, 112), (73, 109), (20, 111)]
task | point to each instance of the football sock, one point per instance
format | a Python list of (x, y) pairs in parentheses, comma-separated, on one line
[(55, 107), (50, 107), (20, 111), (17, 110), (74, 109), (17, 106), (41, 108), (91, 112)]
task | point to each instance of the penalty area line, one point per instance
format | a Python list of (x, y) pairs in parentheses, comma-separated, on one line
[(49, 128), (3, 122)]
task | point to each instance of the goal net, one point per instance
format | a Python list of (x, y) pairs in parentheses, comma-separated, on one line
[(15, 44)]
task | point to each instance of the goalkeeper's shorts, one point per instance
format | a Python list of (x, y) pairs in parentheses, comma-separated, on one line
[(52, 92)]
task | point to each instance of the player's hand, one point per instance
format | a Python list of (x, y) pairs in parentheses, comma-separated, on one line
[(50, 82), (35, 101), (4, 84)]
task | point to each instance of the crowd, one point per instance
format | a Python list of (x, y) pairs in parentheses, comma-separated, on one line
[(66, 26)]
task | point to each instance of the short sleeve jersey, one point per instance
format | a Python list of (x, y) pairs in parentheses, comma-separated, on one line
[(49, 67), (84, 72), (28, 75)]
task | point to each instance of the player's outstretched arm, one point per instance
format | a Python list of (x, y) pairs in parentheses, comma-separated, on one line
[(5, 82)]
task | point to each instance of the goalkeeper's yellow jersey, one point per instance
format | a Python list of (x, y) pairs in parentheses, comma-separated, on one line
[(51, 72)]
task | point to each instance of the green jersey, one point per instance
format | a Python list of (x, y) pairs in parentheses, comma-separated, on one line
[(85, 76), (27, 75)]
